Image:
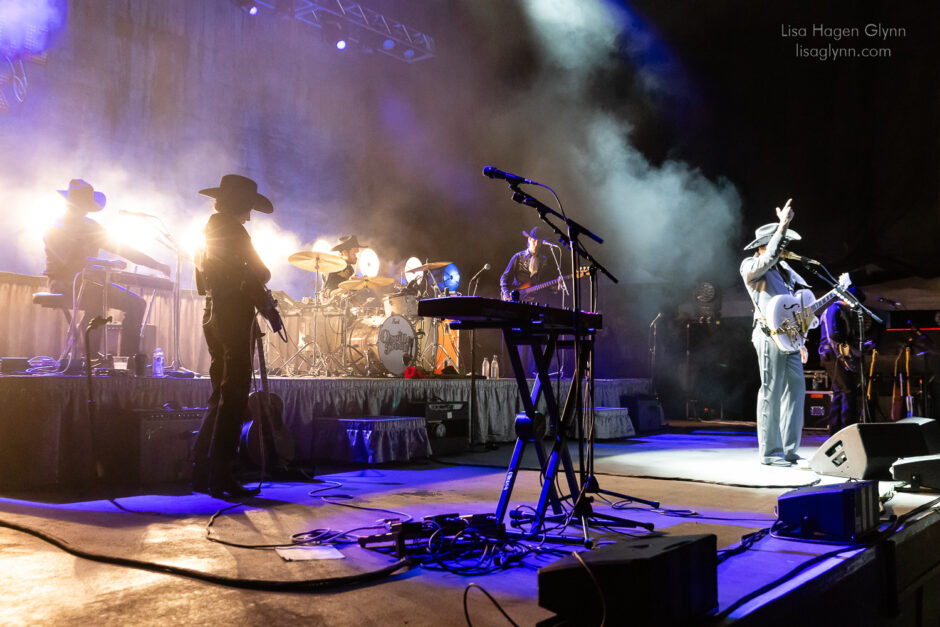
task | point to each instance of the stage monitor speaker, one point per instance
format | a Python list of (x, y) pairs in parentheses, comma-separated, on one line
[(929, 429), (653, 580), (866, 451), (844, 512), (919, 472), (646, 412)]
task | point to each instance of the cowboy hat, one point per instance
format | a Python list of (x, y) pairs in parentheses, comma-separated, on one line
[(348, 241), (763, 234), (82, 195), (538, 232), (234, 186)]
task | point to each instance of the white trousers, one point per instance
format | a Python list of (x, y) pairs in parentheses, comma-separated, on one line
[(779, 401)]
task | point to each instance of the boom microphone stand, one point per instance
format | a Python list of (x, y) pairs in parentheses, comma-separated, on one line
[(583, 341)]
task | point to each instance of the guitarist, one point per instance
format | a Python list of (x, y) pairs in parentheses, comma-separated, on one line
[(781, 395), (532, 266), (838, 353), (226, 271)]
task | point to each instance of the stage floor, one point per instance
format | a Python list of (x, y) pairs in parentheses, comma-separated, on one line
[(700, 491)]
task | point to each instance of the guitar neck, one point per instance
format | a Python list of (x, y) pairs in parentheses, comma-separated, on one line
[(541, 286), (262, 367), (823, 302)]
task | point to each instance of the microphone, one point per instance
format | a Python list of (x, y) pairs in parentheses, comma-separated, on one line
[(139, 214), (658, 316), (548, 243), (479, 272), (513, 179), (788, 255)]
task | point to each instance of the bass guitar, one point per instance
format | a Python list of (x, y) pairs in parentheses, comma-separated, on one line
[(526, 289), (264, 436), (789, 318)]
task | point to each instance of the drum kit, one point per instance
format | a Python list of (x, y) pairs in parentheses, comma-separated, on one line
[(356, 330)]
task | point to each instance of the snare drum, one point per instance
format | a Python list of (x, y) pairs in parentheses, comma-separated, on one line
[(379, 346), (401, 304)]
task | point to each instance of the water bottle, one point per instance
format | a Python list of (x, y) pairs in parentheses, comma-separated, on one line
[(494, 368), (485, 372), (157, 368)]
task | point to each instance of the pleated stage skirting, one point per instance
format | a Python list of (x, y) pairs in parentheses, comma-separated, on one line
[(46, 436)]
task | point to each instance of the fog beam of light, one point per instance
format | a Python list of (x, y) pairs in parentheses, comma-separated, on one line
[(37, 215), (274, 246), (368, 262)]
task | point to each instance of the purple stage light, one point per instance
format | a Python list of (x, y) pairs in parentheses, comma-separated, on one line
[(341, 44), (253, 10)]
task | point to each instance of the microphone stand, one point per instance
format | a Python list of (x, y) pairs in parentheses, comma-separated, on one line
[(860, 311), (168, 242), (584, 361)]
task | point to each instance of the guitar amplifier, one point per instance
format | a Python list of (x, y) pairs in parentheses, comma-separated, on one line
[(448, 427), (166, 439), (816, 408)]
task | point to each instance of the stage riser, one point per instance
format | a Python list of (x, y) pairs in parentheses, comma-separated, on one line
[(45, 436)]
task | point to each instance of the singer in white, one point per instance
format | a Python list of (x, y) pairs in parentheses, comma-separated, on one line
[(783, 388), (73, 243)]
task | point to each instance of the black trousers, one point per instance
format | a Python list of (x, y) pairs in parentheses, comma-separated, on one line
[(227, 325), (845, 391), (120, 298)]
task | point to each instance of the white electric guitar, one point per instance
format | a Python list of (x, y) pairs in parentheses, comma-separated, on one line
[(790, 318)]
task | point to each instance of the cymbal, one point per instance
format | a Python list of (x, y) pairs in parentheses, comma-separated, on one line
[(361, 283), (433, 265), (317, 261)]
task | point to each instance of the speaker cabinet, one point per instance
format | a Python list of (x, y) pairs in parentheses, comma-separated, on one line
[(929, 430), (919, 472), (866, 451), (667, 580)]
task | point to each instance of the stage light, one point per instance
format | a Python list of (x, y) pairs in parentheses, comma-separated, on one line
[(368, 262), (388, 44), (193, 238), (451, 277), (322, 246), (333, 34), (247, 6), (253, 10), (411, 264), (341, 44), (39, 215), (408, 54)]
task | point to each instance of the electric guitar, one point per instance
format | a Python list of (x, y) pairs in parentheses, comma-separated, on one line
[(790, 318), (264, 437), (527, 288)]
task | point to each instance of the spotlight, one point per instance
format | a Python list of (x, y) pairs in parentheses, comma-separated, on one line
[(408, 53), (322, 246), (450, 277), (411, 264), (247, 6), (368, 262), (388, 44), (333, 34)]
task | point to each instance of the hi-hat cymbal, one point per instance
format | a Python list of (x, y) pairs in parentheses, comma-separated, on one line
[(433, 265), (361, 283), (317, 261)]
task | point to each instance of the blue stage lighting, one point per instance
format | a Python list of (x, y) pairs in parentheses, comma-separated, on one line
[(451, 277), (388, 44)]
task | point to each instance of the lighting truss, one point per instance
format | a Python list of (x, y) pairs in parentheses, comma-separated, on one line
[(361, 25)]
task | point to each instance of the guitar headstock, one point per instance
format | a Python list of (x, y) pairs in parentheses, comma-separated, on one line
[(844, 281)]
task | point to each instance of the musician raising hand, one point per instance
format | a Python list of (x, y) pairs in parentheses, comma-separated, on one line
[(781, 395)]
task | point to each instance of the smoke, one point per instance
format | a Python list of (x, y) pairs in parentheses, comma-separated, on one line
[(662, 222)]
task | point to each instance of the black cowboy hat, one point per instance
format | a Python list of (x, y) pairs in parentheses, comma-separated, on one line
[(348, 241), (539, 232), (82, 195), (234, 185), (763, 234)]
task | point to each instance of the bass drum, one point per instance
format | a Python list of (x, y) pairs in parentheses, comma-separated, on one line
[(381, 346)]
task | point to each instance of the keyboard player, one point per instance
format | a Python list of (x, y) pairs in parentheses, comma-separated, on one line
[(68, 245)]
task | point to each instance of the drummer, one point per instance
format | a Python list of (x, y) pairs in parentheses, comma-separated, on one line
[(348, 249)]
